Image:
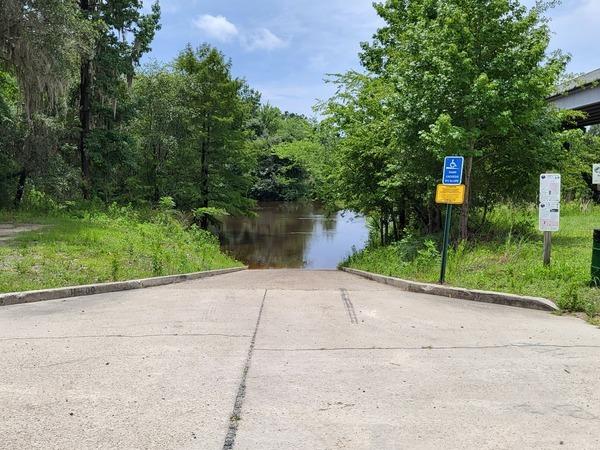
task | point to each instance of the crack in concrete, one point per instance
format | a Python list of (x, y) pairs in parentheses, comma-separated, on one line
[(241, 393), (122, 336), (427, 347)]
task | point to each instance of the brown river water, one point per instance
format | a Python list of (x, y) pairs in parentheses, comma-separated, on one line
[(293, 235)]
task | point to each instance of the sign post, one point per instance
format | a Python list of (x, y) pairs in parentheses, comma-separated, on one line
[(549, 211), (446, 241), (451, 192)]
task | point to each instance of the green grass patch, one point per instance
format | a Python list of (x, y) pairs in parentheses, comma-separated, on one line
[(102, 247), (505, 257)]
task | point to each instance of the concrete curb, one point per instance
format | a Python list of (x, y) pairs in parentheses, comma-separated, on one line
[(15, 298), (460, 293)]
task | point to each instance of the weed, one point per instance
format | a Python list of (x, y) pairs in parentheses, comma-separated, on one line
[(84, 247), (115, 268), (506, 256), (592, 308), (157, 261), (570, 300)]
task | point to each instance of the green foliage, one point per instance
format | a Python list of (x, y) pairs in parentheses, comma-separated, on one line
[(39, 202), (159, 130), (505, 257), (166, 204), (210, 167), (106, 148), (582, 150), (453, 77), (102, 246), (210, 214), (40, 42), (287, 153)]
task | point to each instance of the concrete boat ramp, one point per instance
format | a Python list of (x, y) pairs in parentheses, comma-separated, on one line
[(294, 359)]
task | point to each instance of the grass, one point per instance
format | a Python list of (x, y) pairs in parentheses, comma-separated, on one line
[(102, 247), (505, 257)]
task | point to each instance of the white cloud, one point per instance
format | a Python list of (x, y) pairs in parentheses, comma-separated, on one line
[(263, 39), (221, 29), (217, 27)]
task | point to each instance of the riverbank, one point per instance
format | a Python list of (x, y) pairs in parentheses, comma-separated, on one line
[(295, 234), (98, 247), (505, 257)]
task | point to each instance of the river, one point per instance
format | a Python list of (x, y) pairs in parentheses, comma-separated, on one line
[(293, 235)]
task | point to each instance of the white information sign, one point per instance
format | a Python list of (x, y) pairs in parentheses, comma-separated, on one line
[(596, 174), (549, 212), (549, 216), (549, 187)]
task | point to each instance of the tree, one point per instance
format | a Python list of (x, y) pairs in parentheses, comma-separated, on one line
[(286, 150), (40, 42), (366, 176), (582, 152), (159, 128), (103, 73), (212, 165), (470, 77)]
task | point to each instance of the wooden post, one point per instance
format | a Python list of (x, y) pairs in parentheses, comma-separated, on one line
[(547, 247)]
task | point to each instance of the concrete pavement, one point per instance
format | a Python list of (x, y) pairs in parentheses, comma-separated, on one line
[(294, 359)]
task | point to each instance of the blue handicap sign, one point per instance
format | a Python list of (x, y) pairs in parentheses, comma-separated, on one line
[(453, 169)]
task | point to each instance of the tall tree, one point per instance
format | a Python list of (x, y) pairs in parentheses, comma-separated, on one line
[(470, 78), (213, 164), (104, 70), (40, 42), (159, 128), (366, 175)]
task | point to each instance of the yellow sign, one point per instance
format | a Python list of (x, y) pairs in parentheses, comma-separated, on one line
[(450, 194)]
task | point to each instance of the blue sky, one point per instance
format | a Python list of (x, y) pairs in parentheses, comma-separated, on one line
[(285, 48)]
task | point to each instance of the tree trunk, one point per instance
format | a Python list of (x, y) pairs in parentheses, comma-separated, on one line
[(84, 115), (402, 222), (463, 228), (20, 188), (84, 118), (204, 191), (386, 230)]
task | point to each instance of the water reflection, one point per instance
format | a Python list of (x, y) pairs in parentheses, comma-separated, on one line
[(293, 235)]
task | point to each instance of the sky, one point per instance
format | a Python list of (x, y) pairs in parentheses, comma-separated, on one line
[(286, 48)]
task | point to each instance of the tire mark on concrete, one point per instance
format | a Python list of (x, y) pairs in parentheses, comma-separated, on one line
[(349, 307), (241, 393)]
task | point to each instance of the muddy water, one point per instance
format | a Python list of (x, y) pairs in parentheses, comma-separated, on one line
[(293, 235)]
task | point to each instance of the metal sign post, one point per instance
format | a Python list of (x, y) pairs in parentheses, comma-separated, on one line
[(446, 242), (451, 192)]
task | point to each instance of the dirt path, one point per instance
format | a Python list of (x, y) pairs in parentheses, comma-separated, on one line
[(10, 230)]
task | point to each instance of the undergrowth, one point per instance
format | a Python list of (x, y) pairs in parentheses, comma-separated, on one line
[(505, 256), (77, 246)]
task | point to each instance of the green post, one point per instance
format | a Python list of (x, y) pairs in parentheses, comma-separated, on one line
[(446, 240), (596, 259)]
